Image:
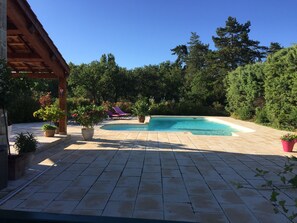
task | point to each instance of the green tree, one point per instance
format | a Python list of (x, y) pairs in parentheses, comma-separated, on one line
[(234, 45), (273, 48)]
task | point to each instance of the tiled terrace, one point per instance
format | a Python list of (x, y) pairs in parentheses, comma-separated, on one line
[(170, 176)]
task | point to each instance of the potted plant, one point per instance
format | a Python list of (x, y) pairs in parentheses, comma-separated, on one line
[(51, 113), (25, 145), (88, 116), (49, 130), (288, 141), (140, 109)]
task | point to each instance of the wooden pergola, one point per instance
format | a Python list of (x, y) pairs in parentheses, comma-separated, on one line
[(32, 53)]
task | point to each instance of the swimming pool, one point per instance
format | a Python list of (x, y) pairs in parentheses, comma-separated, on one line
[(197, 126)]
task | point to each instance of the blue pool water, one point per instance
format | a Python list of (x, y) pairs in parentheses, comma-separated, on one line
[(197, 126)]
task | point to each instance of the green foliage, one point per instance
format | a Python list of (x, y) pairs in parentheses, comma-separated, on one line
[(245, 88), (287, 181), (261, 116), (48, 127), (73, 103), (281, 88), (50, 113), (141, 107), (25, 143), (5, 84), (24, 99), (289, 137), (89, 115), (234, 45)]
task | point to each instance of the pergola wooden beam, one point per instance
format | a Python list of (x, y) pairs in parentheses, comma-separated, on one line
[(23, 57), (34, 75)]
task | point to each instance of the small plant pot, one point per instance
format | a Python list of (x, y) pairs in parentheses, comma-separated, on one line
[(87, 133), (288, 145), (141, 119), (49, 133)]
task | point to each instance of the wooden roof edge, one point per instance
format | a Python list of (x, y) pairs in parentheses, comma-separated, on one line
[(24, 5)]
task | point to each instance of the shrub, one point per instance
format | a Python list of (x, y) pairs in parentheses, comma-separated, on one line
[(22, 109), (261, 116), (89, 115), (74, 103), (281, 88), (45, 100), (25, 143), (141, 107), (50, 113), (245, 86)]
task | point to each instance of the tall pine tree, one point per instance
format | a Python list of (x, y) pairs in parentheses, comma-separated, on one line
[(235, 47)]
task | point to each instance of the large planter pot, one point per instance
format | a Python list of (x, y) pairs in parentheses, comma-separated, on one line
[(288, 145), (17, 165), (87, 133), (141, 119), (49, 133)]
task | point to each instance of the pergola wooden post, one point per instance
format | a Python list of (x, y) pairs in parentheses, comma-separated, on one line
[(32, 53), (63, 105)]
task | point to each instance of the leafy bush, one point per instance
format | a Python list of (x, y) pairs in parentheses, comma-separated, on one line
[(25, 143), (74, 103), (141, 107), (50, 113), (22, 109), (281, 88), (48, 127), (245, 86), (45, 100), (89, 115), (261, 116)]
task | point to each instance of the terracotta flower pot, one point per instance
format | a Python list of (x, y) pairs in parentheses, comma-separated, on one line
[(288, 145), (87, 133), (49, 133), (141, 119)]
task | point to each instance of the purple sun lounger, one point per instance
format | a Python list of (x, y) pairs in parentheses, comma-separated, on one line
[(120, 112), (112, 115)]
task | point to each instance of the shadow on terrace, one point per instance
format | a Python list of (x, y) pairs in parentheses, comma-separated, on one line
[(151, 179)]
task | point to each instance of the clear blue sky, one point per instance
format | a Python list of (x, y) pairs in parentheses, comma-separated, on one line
[(142, 32)]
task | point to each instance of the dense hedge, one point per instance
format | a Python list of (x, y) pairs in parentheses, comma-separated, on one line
[(266, 92), (245, 90), (281, 88)]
